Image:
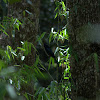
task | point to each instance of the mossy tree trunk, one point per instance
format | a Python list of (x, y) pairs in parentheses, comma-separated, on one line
[(84, 41), (28, 13)]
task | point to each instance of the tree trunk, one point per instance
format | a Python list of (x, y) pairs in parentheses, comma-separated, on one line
[(84, 38), (28, 13)]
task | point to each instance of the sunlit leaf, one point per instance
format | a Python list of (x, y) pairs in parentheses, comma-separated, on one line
[(63, 6), (7, 54), (56, 15), (22, 49), (16, 23), (2, 26), (22, 58), (28, 12)]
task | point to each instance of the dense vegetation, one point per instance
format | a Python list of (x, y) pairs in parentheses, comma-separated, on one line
[(49, 77)]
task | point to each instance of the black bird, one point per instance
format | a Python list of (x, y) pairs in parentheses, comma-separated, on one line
[(51, 54), (49, 51)]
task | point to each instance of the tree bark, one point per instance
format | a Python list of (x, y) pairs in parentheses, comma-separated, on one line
[(84, 26), (28, 13)]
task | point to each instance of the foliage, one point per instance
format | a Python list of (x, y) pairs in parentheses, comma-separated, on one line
[(11, 1), (14, 73), (61, 51)]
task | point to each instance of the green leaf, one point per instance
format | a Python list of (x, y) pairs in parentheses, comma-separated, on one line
[(11, 51), (41, 94), (5, 1), (33, 47), (35, 65), (29, 48), (50, 38), (56, 15), (2, 26), (26, 96), (7, 54), (4, 32), (28, 12), (52, 59), (14, 1), (22, 49), (16, 23), (24, 13), (39, 72), (96, 61), (49, 63), (26, 48), (42, 65), (2, 64), (63, 6), (37, 92), (40, 37)]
